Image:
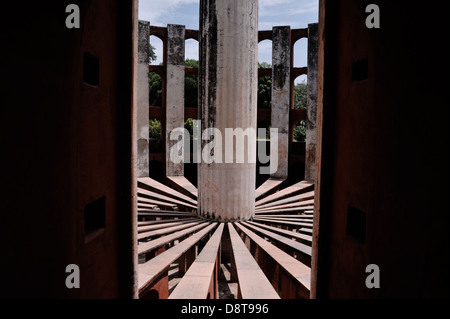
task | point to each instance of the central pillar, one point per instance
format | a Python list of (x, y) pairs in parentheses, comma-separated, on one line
[(228, 82)]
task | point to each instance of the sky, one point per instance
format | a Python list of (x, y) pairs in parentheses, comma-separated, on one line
[(293, 13)]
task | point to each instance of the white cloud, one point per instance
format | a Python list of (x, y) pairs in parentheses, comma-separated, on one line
[(268, 3), (157, 11), (294, 13), (310, 7), (285, 8)]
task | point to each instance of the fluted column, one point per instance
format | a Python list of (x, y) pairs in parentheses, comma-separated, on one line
[(227, 99), (174, 95)]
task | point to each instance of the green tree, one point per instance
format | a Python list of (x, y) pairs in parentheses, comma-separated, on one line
[(191, 63), (154, 129), (191, 98), (191, 85), (155, 89), (264, 65), (154, 81), (300, 132), (264, 88), (151, 53), (300, 96), (189, 126)]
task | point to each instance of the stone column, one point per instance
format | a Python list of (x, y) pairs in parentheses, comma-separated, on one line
[(227, 99), (143, 99), (281, 95), (174, 95), (311, 106)]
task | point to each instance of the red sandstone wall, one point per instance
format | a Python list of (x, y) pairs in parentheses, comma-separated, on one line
[(384, 152), (65, 145)]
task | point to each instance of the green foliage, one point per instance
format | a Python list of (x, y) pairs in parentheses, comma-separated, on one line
[(191, 85), (190, 91), (191, 63), (155, 89), (264, 92), (154, 129), (300, 96), (191, 99), (300, 132), (189, 126), (264, 88), (151, 53)]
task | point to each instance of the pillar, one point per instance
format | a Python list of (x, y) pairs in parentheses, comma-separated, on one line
[(227, 99), (174, 96), (142, 113), (281, 95), (311, 106)]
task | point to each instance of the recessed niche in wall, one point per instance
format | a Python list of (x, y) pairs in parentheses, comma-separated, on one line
[(356, 223), (91, 69), (360, 70), (94, 218)]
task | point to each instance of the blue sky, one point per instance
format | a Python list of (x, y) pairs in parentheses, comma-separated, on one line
[(295, 13)]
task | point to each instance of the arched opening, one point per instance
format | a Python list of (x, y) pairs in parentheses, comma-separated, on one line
[(191, 84), (155, 142), (300, 94), (301, 79), (264, 74), (299, 134), (191, 78), (300, 58), (154, 129), (190, 168), (300, 53), (265, 53), (156, 51), (264, 92), (191, 49), (191, 91), (155, 89)]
